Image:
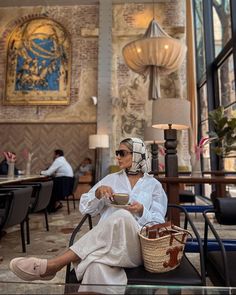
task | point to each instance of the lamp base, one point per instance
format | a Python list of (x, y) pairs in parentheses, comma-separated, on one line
[(171, 160), (155, 161)]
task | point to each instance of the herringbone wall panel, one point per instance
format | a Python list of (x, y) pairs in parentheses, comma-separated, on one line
[(43, 139)]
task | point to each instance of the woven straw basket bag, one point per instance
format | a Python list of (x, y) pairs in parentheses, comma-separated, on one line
[(162, 246)]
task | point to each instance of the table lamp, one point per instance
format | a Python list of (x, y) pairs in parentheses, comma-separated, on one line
[(171, 114), (98, 142), (154, 136)]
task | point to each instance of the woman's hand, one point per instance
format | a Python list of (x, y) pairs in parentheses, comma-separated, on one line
[(104, 191), (136, 208)]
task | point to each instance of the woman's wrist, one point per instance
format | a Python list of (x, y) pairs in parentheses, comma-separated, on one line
[(97, 194)]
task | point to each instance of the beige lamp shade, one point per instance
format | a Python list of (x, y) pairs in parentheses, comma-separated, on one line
[(171, 111), (154, 54), (98, 141), (166, 53), (153, 135)]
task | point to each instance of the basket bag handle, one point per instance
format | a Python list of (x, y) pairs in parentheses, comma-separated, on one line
[(155, 231)]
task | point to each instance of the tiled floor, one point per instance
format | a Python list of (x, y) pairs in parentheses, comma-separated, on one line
[(48, 244), (43, 244)]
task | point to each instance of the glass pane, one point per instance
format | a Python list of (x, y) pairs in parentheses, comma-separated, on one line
[(203, 102), (200, 52), (221, 24), (206, 153), (206, 163), (226, 82), (230, 162)]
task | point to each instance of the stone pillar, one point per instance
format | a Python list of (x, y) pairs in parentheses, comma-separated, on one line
[(104, 106)]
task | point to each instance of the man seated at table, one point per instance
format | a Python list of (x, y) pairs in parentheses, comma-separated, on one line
[(63, 180)]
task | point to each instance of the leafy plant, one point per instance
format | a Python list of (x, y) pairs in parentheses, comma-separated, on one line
[(224, 133)]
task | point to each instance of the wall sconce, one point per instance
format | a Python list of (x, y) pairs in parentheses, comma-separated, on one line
[(98, 142), (171, 114), (154, 136), (94, 100)]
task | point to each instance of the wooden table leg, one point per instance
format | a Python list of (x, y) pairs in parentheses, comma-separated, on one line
[(173, 198)]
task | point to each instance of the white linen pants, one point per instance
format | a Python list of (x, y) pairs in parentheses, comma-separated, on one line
[(107, 248)]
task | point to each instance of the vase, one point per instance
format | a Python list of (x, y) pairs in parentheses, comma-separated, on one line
[(11, 169), (196, 166), (28, 168)]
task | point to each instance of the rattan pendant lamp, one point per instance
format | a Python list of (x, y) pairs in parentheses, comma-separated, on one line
[(155, 54)]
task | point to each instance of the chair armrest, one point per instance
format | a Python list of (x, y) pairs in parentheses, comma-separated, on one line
[(75, 231), (189, 221), (218, 240), (78, 227)]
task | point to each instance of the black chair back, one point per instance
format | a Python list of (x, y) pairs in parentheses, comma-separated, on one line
[(220, 252), (15, 211), (225, 211), (43, 197), (19, 206)]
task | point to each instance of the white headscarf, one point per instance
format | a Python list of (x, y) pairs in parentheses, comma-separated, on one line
[(140, 160)]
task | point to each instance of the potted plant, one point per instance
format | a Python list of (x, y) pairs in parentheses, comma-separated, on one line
[(223, 134)]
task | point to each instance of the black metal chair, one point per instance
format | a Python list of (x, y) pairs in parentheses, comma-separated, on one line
[(220, 252), (185, 274), (14, 208), (75, 184)]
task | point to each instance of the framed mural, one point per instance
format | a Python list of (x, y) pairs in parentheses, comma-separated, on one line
[(38, 64)]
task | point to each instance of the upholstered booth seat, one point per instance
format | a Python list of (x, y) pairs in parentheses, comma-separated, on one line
[(185, 274)]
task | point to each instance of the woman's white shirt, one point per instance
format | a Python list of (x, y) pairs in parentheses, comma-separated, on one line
[(147, 191)]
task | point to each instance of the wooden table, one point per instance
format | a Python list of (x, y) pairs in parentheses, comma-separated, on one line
[(20, 178), (172, 187)]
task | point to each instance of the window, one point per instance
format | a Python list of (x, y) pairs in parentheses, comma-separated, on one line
[(221, 24), (206, 153), (200, 52), (203, 102), (226, 81)]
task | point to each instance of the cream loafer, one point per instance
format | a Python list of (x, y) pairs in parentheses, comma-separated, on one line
[(30, 269)]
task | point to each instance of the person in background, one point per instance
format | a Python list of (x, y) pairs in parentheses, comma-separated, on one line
[(85, 167), (8, 156), (100, 255), (63, 179)]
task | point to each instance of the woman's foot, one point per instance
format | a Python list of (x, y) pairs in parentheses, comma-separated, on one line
[(31, 269), (58, 206)]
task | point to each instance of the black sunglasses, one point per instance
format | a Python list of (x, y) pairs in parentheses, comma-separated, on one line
[(122, 153)]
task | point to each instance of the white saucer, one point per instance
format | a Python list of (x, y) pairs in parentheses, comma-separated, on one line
[(119, 206)]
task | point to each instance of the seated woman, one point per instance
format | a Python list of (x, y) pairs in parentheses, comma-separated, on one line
[(85, 168), (100, 255)]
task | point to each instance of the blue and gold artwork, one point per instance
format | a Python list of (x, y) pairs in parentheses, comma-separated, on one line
[(38, 64)]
